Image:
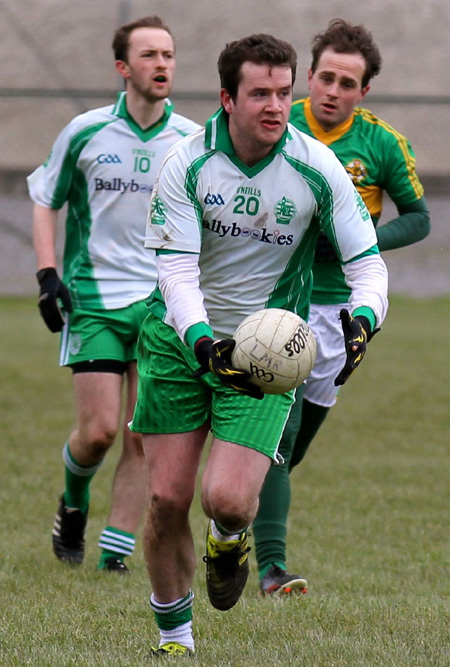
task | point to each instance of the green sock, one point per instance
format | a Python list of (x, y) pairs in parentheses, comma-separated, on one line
[(269, 526), (313, 416), (115, 543), (78, 478), (173, 614)]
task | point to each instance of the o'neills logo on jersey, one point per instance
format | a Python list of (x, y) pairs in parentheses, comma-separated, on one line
[(261, 235), (119, 185)]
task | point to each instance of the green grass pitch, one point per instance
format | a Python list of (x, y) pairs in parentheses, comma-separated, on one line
[(369, 525)]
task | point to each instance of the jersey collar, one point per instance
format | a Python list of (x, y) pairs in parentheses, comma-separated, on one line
[(120, 110), (326, 138), (217, 136)]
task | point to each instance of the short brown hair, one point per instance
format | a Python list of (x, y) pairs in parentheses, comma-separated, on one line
[(260, 49), (343, 37), (122, 35)]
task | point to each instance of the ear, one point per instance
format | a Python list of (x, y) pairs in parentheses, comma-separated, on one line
[(310, 76), (364, 92), (226, 100), (122, 69)]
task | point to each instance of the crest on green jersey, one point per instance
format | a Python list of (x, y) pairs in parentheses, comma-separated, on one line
[(284, 210), (158, 211), (365, 215), (357, 171)]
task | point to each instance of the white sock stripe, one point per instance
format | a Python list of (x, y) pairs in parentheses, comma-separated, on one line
[(168, 607), (107, 534), (114, 545), (76, 469), (117, 550)]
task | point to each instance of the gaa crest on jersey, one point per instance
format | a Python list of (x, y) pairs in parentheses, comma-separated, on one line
[(158, 211), (284, 210), (357, 171)]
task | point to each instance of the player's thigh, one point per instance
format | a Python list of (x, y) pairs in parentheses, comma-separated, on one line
[(249, 422), (326, 325), (98, 401), (169, 398), (172, 462), (233, 477)]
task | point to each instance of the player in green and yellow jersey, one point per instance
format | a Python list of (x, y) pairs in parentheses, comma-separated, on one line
[(378, 159)]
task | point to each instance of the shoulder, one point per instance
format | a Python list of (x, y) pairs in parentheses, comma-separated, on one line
[(188, 149), (370, 123), (305, 147), (90, 121), (182, 124), (297, 107)]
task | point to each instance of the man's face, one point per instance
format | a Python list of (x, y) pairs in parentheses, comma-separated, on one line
[(336, 87), (150, 65), (258, 116)]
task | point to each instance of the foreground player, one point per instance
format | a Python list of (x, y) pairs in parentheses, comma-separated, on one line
[(234, 218), (103, 164), (377, 158)]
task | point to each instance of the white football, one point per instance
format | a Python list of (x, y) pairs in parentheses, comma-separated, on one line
[(277, 348)]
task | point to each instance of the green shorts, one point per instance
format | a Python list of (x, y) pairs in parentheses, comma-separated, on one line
[(102, 334), (171, 400)]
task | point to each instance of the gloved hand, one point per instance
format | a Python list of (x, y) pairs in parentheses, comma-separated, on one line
[(52, 289), (357, 334), (216, 358)]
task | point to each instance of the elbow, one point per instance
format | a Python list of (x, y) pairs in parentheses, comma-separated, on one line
[(425, 226)]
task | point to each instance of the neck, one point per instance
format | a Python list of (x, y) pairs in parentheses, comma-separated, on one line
[(143, 112), (249, 153)]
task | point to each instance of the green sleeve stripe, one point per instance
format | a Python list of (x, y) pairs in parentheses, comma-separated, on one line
[(76, 145), (403, 144), (163, 251), (367, 253), (190, 185), (197, 331), (365, 311)]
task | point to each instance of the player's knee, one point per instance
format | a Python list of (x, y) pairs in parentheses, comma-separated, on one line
[(167, 510), (231, 510), (97, 439)]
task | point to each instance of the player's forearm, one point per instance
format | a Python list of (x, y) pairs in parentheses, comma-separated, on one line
[(44, 236), (178, 277), (411, 226), (367, 278)]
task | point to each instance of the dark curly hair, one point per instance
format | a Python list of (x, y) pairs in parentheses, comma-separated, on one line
[(343, 37), (261, 49)]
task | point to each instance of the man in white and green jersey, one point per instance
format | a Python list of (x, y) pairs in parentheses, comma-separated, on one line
[(234, 218), (378, 159), (104, 165)]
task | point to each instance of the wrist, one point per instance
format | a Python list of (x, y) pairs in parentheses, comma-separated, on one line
[(364, 322), (201, 351), (48, 272)]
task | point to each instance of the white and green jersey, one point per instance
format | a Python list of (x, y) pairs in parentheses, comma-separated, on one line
[(104, 166), (254, 228)]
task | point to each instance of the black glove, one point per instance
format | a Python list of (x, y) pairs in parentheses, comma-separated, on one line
[(52, 289), (357, 334), (216, 357)]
